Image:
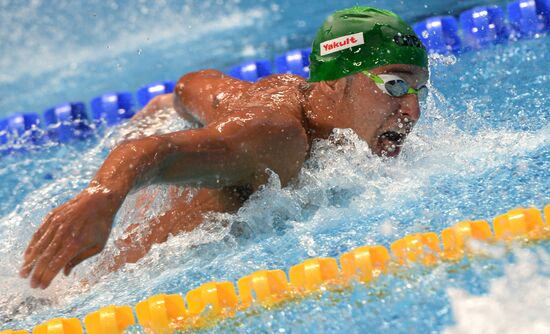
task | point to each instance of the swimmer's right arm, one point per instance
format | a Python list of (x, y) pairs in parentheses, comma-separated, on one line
[(231, 153), (194, 95)]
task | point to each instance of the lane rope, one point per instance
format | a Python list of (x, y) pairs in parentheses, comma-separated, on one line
[(475, 29), (212, 301)]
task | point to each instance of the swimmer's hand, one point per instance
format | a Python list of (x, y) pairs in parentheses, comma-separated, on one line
[(70, 234)]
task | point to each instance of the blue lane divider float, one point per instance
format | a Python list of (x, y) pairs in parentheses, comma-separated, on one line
[(543, 9), (67, 121), (251, 70), (439, 34), (480, 26), (147, 92), (483, 26), (291, 62), (112, 108), (294, 62), (529, 17), (23, 128)]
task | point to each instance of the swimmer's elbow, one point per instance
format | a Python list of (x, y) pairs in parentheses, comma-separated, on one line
[(141, 156)]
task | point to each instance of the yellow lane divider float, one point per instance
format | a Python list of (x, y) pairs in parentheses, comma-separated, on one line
[(164, 314)]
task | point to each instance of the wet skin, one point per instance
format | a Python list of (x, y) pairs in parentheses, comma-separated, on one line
[(244, 129)]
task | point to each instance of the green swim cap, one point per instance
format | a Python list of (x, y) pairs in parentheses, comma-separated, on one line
[(362, 38)]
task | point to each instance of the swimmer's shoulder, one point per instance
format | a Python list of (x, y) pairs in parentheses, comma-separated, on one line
[(287, 87), (216, 95), (277, 92), (287, 80)]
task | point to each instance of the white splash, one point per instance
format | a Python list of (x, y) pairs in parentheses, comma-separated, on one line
[(516, 303)]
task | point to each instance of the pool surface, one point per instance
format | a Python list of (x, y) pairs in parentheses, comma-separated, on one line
[(482, 147)]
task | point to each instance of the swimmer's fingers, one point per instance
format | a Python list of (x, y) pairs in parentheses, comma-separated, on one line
[(81, 257), (45, 263), (40, 241), (62, 257), (42, 229)]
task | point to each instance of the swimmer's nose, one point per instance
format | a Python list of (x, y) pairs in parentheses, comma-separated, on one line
[(410, 107)]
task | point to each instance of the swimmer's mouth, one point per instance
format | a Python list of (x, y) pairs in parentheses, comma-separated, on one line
[(395, 137), (391, 143)]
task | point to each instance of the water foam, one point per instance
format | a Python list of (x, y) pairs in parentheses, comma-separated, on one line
[(518, 302)]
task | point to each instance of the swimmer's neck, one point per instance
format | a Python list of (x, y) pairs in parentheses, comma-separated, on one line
[(319, 103)]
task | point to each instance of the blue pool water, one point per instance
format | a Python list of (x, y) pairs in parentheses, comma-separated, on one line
[(481, 148)]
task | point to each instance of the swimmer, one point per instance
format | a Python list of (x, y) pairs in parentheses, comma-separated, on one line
[(368, 71)]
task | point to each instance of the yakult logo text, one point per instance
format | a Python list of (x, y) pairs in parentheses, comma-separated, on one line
[(341, 43)]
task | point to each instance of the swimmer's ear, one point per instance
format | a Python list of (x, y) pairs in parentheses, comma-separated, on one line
[(335, 88), (331, 85), (328, 84)]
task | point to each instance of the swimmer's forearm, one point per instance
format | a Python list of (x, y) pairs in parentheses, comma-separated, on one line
[(230, 153), (125, 167), (184, 157)]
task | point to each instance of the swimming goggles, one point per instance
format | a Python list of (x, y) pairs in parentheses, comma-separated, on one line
[(395, 86)]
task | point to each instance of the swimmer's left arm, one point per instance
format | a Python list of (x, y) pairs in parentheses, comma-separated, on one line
[(229, 153), (234, 152)]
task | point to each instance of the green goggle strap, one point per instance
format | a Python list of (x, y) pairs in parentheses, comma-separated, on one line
[(379, 80)]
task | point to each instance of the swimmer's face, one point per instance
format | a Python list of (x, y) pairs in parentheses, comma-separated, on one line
[(383, 121)]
